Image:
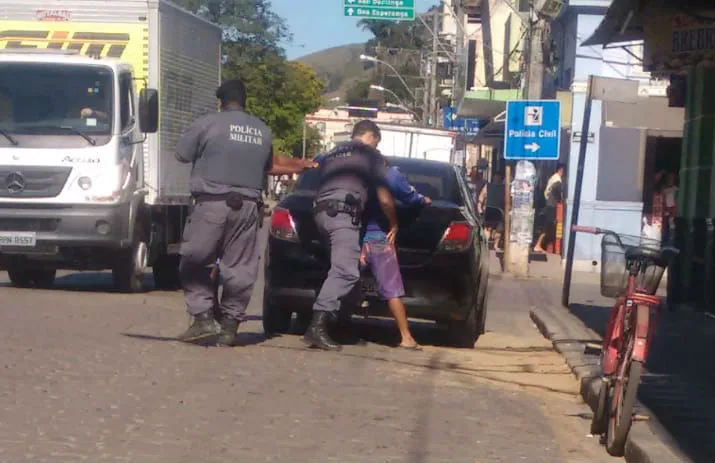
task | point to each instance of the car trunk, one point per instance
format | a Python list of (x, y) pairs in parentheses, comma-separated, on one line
[(420, 230)]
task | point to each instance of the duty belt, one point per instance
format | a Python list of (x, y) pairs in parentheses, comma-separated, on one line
[(233, 200), (333, 207), (203, 198)]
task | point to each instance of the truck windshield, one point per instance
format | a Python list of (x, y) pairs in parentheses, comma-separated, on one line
[(55, 99)]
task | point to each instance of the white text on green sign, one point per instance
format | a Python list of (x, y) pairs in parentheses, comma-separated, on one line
[(379, 13), (381, 3)]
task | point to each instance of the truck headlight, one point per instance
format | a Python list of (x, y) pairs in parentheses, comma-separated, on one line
[(85, 183)]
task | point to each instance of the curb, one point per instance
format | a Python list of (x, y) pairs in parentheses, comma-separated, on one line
[(647, 441)]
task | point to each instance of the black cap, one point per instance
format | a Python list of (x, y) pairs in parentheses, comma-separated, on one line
[(232, 91)]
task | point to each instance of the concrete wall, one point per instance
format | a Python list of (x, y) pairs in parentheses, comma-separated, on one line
[(579, 63), (504, 23)]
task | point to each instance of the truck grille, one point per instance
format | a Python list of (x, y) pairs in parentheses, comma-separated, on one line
[(32, 182), (35, 225)]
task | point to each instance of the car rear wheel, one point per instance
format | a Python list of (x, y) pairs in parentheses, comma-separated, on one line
[(275, 319), (464, 333), (303, 320)]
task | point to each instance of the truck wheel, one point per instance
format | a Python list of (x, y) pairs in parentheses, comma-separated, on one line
[(464, 333), (166, 272), (44, 277), (128, 270), (19, 276), (24, 277)]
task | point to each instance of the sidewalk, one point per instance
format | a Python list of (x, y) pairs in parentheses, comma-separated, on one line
[(677, 391)]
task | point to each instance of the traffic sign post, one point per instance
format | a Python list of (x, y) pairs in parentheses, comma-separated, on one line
[(532, 132), (393, 10)]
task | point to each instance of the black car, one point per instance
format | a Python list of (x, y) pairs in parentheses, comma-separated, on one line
[(442, 253)]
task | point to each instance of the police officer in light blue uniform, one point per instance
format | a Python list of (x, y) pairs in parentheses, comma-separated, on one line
[(231, 152), (347, 175)]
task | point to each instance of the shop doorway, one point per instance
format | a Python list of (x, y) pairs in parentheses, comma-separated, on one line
[(660, 185)]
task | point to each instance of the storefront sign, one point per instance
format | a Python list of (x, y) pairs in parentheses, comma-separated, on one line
[(674, 40)]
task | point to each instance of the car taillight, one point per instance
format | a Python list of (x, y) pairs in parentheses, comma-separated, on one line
[(282, 225), (457, 237)]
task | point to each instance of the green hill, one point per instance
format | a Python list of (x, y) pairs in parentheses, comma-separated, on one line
[(339, 67)]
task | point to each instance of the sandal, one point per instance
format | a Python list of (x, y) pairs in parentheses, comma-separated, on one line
[(412, 347)]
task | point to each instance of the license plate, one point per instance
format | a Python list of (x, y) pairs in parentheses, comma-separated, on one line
[(369, 287), (18, 239)]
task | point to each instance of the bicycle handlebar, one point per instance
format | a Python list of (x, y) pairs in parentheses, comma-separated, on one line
[(584, 229), (597, 231)]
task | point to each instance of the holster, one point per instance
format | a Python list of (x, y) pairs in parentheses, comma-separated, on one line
[(234, 201), (333, 207)]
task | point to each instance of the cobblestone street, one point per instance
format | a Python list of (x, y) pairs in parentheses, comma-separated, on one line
[(90, 375)]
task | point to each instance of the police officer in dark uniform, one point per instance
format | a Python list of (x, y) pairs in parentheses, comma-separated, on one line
[(231, 152), (347, 175)]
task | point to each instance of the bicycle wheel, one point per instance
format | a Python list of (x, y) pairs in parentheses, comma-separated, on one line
[(623, 402)]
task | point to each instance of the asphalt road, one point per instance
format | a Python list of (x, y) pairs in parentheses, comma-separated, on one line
[(92, 375)]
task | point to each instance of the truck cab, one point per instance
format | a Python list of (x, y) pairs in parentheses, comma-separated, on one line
[(72, 141)]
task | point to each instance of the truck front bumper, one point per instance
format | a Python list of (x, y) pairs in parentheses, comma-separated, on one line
[(65, 226)]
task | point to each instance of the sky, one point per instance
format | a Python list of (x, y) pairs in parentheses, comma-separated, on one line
[(320, 24)]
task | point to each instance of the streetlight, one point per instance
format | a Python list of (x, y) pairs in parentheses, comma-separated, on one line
[(375, 60), (402, 107), (380, 88)]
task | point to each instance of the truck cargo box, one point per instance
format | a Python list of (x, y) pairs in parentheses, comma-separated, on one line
[(417, 142)]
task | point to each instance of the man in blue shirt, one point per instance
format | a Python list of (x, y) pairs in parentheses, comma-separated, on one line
[(378, 251)]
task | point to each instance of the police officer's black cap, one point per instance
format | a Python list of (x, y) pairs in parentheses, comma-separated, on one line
[(232, 91)]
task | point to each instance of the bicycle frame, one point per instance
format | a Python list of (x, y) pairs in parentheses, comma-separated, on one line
[(634, 307)]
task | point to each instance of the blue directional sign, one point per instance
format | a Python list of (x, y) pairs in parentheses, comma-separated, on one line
[(450, 121), (533, 130)]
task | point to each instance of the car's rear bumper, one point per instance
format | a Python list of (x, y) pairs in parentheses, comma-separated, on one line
[(437, 291)]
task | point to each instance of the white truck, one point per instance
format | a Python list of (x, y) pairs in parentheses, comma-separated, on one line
[(417, 142), (94, 95)]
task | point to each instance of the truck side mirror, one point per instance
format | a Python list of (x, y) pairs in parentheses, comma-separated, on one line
[(148, 110)]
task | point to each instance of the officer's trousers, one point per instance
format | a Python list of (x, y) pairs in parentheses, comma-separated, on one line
[(214, 230), (344, 274)]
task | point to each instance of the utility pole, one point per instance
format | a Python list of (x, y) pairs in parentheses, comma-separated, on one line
[(434, 106), (534, 75), (457, 75), (424, 64), (517, 255)]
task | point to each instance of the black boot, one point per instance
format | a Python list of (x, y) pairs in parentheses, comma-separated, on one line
[(229, 327), (201, 330), (317, 334)]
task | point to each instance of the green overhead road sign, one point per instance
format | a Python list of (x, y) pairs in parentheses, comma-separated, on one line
[(381, 3), (394, 10), (393, 14)]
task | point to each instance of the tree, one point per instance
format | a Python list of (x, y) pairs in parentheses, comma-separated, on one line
[(281, 93)]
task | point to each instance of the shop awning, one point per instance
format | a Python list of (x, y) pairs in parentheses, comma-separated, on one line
[(486, 103), (622, 23), (624, 19)]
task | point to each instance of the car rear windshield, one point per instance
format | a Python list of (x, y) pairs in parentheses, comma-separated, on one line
[(439, 183)]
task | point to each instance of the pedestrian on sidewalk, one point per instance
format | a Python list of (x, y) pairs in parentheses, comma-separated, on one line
[(231, 153), (347, 174), (553, 194), (380, 255)]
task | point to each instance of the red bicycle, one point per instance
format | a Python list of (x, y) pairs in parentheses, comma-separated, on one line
[(631, 270)]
